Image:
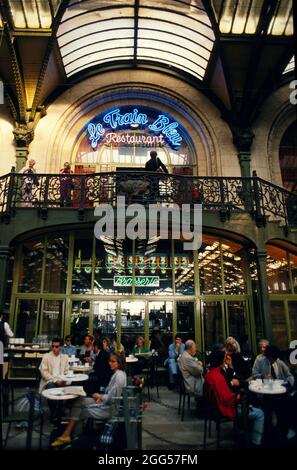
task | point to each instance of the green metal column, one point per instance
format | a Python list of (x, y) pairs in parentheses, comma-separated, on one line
[(4, 258), (264, 295)]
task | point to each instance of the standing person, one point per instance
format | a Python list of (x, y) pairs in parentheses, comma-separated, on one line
[(174, 351), (66, 184), (98, 406), (102, 372), (68, 348), (5, 331), (29, 181), (191, 369), (153, 165)]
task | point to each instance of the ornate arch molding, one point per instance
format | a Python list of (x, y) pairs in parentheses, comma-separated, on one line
[(285, 117), (68, 128)]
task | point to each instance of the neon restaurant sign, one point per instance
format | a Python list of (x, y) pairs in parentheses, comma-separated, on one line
[(158, 128), (138, 281)]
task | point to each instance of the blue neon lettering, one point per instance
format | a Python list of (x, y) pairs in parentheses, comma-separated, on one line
[(95, 133), (169, 130), (115, 119)]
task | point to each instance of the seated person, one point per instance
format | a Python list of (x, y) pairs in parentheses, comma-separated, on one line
[(191, 369), (174, 351), (107, 346), (117, 347), (68, 348), (86, 352), (140, 347), (227, 401), (52, 368), (238, 366), (99, 406), (102, 372), (270, 366), (263, 344)]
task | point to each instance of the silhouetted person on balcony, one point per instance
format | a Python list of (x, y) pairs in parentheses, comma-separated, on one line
[(29, 182), (154, 165), (66, 184)]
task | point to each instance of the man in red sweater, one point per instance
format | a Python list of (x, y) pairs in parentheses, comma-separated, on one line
[(227, 401)]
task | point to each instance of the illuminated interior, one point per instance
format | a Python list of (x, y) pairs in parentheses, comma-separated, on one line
[(177, 34)]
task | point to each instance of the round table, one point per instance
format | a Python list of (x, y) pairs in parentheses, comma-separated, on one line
[(57, 394), (75, 378), (272, 388), (81, 368)]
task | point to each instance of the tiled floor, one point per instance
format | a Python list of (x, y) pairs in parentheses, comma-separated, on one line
[(162, 428)]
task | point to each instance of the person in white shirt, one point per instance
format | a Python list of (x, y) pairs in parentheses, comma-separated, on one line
[(53, 367), (5, 330)]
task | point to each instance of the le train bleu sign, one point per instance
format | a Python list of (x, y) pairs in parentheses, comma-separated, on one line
[(114, 120)]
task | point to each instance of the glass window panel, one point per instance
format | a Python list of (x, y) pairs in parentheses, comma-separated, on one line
[(238, 326), (185, 320), (240, 17), (293, 319), (293, 264), (176, 19), (82, 263), (184, 270), (160, 326), (132, 322), (105, 317), (211, 313), (113, 258), (77, 8), (209, 260), (190, 56), (31, 266), (31, 13), (254, 16), (279, 325), (155, 264), (290, 67), (26, 322), (56, 262), (52, 318), (163, 57), (8, 286), (18, 15), (278, 24), (101, 16), (92, 50), (79, 321), (233, 265), (277, 270), (122, 54), (93, 39), (164, 29)]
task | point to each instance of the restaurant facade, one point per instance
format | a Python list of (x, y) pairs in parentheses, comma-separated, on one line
[(103, 107)]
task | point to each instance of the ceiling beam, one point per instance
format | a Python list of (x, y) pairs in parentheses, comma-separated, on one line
[(16, 70), (136, 17), (55, 25)]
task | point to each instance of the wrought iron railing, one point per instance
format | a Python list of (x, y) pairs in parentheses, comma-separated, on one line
[(226, 195)]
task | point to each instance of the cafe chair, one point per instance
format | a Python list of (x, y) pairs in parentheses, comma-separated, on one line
[(183, 394), (31, 415), (212, 414)]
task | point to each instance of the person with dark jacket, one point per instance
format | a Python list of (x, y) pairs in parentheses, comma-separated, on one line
[(102, 372), (5, 331)]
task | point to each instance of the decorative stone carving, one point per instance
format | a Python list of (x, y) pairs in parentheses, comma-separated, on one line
[(23, 135), (243, 138)]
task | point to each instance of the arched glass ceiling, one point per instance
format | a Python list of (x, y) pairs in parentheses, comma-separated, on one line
[(290, 67), (176, 33)]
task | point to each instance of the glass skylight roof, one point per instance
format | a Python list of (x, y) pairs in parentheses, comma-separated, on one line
[(242, 16), (177, 33)]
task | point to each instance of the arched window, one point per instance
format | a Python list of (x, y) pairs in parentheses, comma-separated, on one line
[(288, 157)]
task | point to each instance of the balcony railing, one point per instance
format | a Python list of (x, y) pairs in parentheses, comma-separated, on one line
[(226, 195)]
